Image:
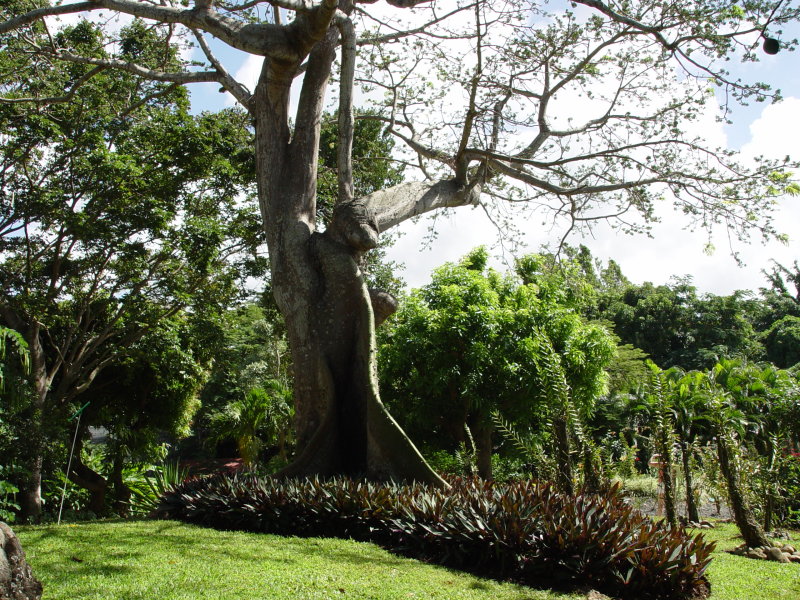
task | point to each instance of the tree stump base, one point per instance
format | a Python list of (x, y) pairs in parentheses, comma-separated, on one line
[(16, 578)]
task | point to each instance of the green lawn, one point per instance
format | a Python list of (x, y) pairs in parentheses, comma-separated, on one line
[(165, 560), (738, 578)]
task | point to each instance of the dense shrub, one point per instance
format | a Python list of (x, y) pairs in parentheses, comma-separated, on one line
[(789, 477), (522, 531)]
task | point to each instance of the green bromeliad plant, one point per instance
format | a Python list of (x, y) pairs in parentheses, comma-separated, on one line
[(147, 490)]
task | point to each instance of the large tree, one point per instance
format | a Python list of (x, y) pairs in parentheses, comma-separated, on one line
[(113, 221), (473, 89)]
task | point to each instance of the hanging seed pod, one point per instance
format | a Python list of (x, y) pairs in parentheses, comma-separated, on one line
[(771, 45)]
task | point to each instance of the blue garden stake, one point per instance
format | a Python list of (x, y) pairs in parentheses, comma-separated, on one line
[(69, 463)]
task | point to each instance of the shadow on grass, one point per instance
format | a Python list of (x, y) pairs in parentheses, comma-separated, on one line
[(158, 559)]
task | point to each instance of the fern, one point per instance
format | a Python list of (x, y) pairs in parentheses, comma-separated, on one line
[(505, 429), (541, 465)]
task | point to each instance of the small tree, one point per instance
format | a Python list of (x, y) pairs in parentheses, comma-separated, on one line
[(687, 407), (726, 388), (148, 394), (474, 342), (662, 427), (261, 416)]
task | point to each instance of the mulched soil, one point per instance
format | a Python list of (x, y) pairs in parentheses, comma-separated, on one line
[(707, 510), (209, 466)]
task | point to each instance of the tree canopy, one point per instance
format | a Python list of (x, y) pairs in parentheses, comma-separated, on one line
[(649, 70), (114, 221), (474, 342)]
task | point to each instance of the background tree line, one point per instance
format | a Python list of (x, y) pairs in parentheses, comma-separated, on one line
[(566, 370)]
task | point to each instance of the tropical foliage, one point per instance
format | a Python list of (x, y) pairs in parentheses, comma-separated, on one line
[(523, 531), (474, 342)]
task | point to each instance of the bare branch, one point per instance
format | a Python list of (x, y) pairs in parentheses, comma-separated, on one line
[(407, 200), (620, 18), (180, 77), (422, 29), (472, 112), (239, 91), (57, 99), (344, 157), (260, 39), (47, 11)]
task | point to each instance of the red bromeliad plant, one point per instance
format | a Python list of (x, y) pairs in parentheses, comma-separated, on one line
[(523, 531)]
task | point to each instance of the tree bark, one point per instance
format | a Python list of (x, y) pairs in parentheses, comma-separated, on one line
[(30, 493), (748, 526), (90, 480), (769, 500), (691, 506), (591, 470), (122, 493), (669, 490), (354, 435), (482, 433), (768, 510)]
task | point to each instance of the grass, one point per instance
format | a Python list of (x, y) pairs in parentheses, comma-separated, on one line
[(738, 578), (641, 486), (166, 560)]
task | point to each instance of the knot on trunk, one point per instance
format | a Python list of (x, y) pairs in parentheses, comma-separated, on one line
[(354, 225), (384, 305), (16, 578)]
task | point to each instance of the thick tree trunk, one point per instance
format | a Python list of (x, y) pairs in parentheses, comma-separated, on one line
[(748, 526), (90, 480), (691, 506), (342, 426), (30, 493), (354, 434)]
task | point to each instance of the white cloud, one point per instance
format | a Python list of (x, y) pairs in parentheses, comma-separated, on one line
[(776, 133), (248, 72)]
